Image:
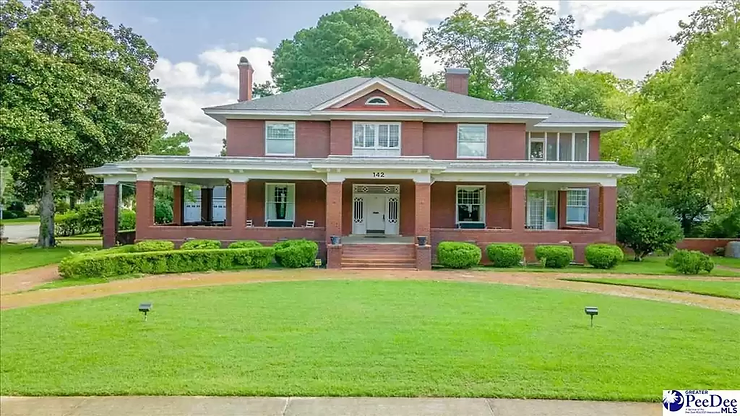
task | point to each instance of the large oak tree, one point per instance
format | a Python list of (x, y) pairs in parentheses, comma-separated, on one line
[(76, 93)]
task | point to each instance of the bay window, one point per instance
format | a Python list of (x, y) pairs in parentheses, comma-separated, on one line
[(279, 138), (471, 204), (471, 141), (552, 146)]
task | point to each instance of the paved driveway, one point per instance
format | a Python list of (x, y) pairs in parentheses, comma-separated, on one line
[(19, 233)]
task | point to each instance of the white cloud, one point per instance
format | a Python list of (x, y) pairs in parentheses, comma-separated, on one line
[(150, 20), (190, 86), (260, 40), (588, 13)]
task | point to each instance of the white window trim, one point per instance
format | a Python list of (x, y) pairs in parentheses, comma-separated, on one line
[(588, 206), (485, 141), (557, 146), (482, 204), (267, 123), (291, 192), (376, 97), (375, 143)]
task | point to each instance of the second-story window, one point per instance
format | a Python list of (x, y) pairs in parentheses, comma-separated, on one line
[(372, 138), (279, 138), (471, 141), (558, 146)]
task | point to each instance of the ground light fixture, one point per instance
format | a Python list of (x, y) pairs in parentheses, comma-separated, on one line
[(591, 311), (145, 308)]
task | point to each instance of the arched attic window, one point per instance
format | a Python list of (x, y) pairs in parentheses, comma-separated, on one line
[(376, 100)]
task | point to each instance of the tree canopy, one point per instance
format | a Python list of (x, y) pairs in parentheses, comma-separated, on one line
[(344, 44), (175, 144), (76, 93)]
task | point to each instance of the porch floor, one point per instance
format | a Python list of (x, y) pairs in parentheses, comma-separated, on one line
[(376, 239)]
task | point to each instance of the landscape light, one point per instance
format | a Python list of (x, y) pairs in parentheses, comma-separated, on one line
[(591, 311), (145, 308)]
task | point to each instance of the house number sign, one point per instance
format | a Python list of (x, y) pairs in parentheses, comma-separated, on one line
[(378, 174)]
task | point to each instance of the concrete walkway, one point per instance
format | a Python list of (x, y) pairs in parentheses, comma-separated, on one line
[(21, 233), (306, 406)]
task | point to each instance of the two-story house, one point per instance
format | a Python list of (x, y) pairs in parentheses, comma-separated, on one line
[(380, 161)]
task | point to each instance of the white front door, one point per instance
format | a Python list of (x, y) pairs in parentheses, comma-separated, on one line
[(375, 209)]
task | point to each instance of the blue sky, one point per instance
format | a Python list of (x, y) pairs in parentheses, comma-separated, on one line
[(199, 42)]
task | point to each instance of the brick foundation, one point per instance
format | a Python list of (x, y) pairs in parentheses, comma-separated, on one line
[(424, 257), (334, 256)]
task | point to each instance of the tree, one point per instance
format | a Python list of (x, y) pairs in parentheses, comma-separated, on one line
[(265, 89), (646, 228), (347, 43), (223, 147), (76, 93), (173, 145), (507, 60)]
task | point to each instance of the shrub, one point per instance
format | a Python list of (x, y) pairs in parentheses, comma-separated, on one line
[(719, 251), (67, 224), (604, 256), (105, 263), (90, 217), (127, 220), (17, 206), (505, 255), (19, 214), (245, 244), (153, 245), (200, 245), (690, 262), (162, 212), (296, 253), (61, 206), (9, 215), (457, 255), (646, 228), (556, 257)]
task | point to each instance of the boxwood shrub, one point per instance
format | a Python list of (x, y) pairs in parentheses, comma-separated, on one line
[(556, 257), (505, 255), (296, 253), (101, 264), (153, 245), (690, 262), (603, 256), (245, 244), (457, 255), (200, 245)]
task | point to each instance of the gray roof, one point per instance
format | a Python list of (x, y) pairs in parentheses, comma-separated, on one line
[(307, 98)]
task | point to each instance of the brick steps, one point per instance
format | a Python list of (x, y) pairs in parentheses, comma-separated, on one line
[(379, 256)]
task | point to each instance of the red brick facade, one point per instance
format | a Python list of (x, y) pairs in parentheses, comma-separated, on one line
[(110, 215), (393, 104)]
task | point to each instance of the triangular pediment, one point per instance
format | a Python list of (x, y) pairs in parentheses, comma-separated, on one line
[(370, 95)]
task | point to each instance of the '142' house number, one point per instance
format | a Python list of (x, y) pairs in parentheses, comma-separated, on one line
[(378, 174)]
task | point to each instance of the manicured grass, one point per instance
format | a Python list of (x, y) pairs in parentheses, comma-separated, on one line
[(25, 256), (78, 282), (88, 236), (723, 289), (31, 219), (367, 338), (649, 265), (727, 261)]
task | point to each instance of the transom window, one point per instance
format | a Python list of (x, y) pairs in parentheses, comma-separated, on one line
[(577, 207), (471, 140), (471, 204), (279, 138), (377, 100), (558, 146), (377, 135), (279, 202)]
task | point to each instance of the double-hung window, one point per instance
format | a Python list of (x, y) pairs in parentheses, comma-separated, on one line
[(472, 141), (471, 204), (558, 146), (577, 207), (279, 138), (279, 202), (381, 139)]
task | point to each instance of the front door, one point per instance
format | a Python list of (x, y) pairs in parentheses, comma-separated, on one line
[(375, 205)]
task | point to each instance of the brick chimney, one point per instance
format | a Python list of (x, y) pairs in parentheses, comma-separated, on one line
[(456, 80), (245, 79)]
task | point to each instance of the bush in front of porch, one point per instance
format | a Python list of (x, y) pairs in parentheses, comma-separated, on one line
[(604, 256), (457, 255), (505, 254), (200, 245), (296, 253), (554, 256)]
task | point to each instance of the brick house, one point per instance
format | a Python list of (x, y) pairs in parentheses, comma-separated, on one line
[(380, 161)]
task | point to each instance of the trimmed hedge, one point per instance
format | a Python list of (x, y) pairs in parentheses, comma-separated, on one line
[(245, 244), (604, 256), (505, 255), (457, 255), (153, 245), (99, 264), (127, 220), (296, 253), (556, 257), (690, 262), (200, 245)]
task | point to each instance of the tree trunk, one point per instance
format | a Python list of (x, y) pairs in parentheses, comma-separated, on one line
[(46, 212)]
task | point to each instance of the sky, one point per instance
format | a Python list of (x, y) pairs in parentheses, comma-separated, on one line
[(199, 42)]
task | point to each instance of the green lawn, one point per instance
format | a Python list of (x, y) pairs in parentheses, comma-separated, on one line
[(24, 256), (367, 338), (723, 289), (727, 261), (88, 236), (31, 219), (649, 265)]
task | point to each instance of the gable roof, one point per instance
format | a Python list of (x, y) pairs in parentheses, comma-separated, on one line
[(306, 100)]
